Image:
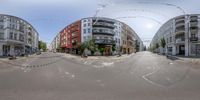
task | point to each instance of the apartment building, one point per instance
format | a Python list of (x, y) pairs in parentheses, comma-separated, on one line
[(70, 38), (17, 36), (107, 34), (182, 36), (55, 44)]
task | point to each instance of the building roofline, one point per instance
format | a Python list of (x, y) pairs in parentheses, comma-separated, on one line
[(20, 19)]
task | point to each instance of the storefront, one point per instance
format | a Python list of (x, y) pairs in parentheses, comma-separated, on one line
[(195, 49)]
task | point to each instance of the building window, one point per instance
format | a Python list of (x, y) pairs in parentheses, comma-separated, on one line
[(21, 37), (167, 40), (88, 24), (193, 35), (15, 36), (170, 39), (89, 37), (85, 38), (1, 26), (84, 31), (1, 20), (84, 25), (89, 30), (84, 20), (11, 35), (97, 37), (1, 36)]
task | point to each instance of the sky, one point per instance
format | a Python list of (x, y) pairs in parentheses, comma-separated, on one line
[(145, 17)]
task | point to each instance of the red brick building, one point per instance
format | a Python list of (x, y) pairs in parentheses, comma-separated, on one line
[(70, 37)]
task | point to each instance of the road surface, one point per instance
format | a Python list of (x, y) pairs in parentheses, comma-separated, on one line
[(141, 76)]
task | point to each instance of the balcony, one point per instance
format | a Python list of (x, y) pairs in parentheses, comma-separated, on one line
[(179, 31), (194, 18), (180, 24), (180, 40), (104, 20), (180, 19), (194, 24), (194, 31), (104, 41), (103, 31), (193, 39), (103, 24)]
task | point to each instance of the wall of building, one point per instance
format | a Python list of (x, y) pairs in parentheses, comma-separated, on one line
[(179, 36), (86, 29), (105, 31), (17, 36)]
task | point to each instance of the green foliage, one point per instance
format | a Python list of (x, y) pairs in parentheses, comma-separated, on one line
[(113, 47), (42, 45), (157, 45), (90, 45), (101, 50), (82, 47), (162, 42)]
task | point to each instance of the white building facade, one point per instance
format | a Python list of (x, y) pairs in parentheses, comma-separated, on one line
[(17, 36), (182, 36), (107, 33), (86, 29)]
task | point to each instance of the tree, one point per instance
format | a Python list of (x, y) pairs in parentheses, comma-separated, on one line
[(162, 42), (157, 45), (82, 47), (92, 46), (113, 47), (42, 45), (101, 50)]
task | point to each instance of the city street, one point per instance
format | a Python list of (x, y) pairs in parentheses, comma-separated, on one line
[(140, 76)]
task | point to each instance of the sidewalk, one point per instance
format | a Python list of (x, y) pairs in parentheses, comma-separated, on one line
[(194, 60), (6, 63), (115, 57)]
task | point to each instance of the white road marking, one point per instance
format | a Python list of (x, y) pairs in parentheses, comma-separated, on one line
[(107, 63), (73, 76), (145, 77), (67, 73), (98, 80)]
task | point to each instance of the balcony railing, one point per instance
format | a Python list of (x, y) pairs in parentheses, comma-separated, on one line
[(103, 31), (193, 38), (180, 40), (104, 41), (103, 20), (194, 18), (103, 24), (180, 19), (194, 31), (180, 24), (193, 23)]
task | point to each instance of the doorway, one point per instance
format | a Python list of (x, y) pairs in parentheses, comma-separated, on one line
[(181, 49), (6, 50)]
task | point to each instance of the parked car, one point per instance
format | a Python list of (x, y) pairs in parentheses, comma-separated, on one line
[(38, 53)]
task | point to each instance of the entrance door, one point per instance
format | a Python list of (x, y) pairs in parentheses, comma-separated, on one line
[(181, 50), (107, 50), (6, 50)]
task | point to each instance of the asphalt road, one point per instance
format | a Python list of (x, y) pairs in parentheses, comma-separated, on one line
[(142, 76)]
